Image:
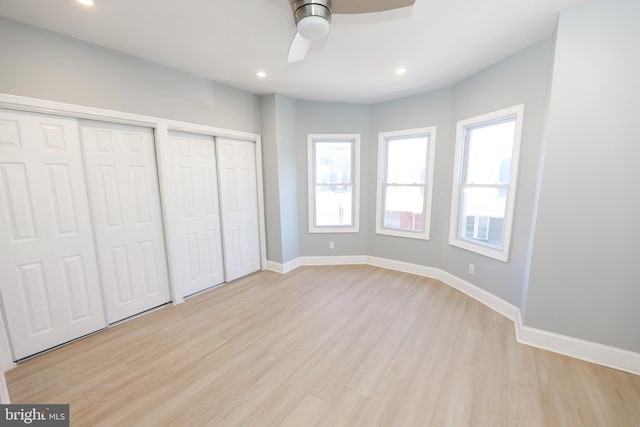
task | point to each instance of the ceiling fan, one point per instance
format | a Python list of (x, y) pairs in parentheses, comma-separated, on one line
[(313, 19)]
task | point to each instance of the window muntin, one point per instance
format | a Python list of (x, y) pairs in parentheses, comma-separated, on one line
[(483, 195), (333, 183), (405, 171)]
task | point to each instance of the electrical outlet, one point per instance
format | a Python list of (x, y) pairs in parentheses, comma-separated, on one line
[(472, 269), (332, 245)]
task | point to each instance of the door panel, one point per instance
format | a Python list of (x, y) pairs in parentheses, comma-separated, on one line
[(198, 239), (50, 288), (239, 200), (125, 206)]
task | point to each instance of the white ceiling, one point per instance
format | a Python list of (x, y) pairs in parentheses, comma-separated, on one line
[(439, 41)]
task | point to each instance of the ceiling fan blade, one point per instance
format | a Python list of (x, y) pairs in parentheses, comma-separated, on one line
[(298, 49), (368, 6)]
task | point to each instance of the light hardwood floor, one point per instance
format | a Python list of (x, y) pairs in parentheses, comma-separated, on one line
[(324, 346)]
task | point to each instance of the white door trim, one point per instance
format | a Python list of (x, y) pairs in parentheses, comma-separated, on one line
[(6, 357), (4, 391), (161, 127)]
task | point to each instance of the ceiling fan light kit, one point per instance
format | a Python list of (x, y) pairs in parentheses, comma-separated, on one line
[(313, 19), (313, 27)]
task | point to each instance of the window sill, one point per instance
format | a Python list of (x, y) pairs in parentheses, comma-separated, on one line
[(499, 254), (325, 230), (400, 233)]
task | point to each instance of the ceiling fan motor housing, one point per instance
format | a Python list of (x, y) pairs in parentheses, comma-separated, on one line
[(311, 8)]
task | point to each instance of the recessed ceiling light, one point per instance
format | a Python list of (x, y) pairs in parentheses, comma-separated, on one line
[(400, 71), (261, 74), (86, 2)]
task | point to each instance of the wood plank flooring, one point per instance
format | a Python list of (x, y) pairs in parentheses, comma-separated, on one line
[(324, 346)]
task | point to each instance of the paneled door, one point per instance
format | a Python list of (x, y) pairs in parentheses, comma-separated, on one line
[(239, 201), (198, 240), (122, 179), (48, 273)]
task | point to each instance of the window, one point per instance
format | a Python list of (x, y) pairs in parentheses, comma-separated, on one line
[(334, 174), (405, 182), (484, 183)]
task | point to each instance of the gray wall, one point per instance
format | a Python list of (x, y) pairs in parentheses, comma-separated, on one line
[(429, 109), (271, 179), (279, 154), (46, 65), (520, 79), (584, 269), (326, 117), (580, 277), (288, 174)]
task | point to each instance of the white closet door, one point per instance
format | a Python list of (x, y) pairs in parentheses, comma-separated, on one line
[(239, 200), (48, 273), (125, 206), (198, 241)]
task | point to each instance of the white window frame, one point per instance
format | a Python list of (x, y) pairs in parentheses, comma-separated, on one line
[(383, 138), (491, 251), (312, 139)]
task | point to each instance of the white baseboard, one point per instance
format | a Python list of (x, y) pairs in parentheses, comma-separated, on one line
[(275, 267), (333, 260), (4, 391), (600, 354), (508, 310), (612, 357), (497, 304), (315, 260), (283, 268)]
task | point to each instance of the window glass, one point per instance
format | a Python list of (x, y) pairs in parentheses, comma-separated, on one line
[(487, 151), (489, 204), (333, 162), (404, 182), (333, 183), (406, 160), (333, 205), (404, 208)]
